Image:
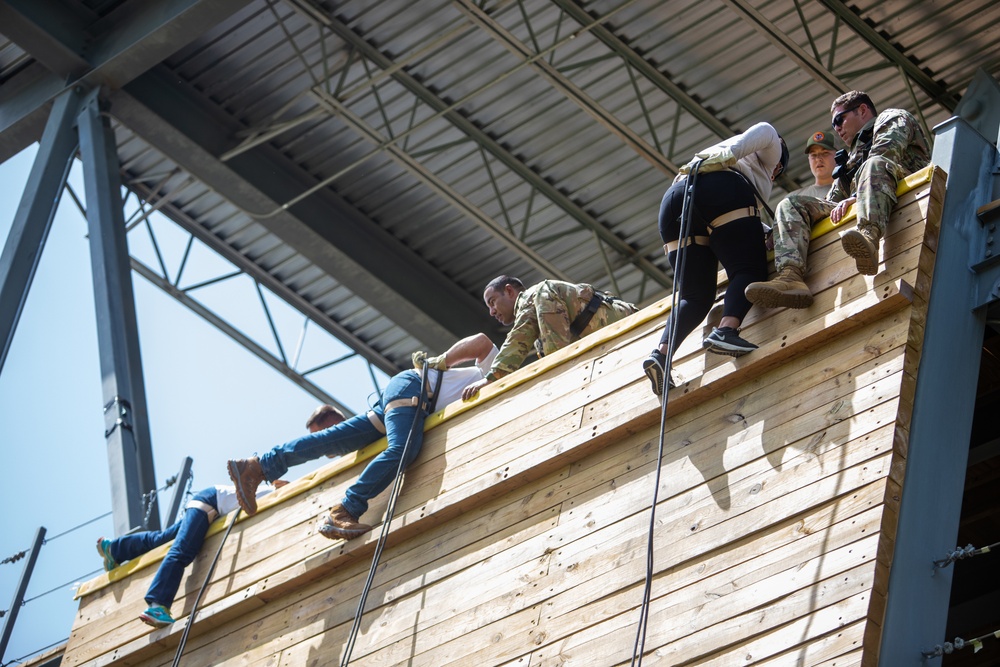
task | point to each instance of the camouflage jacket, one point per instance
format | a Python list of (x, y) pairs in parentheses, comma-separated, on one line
[(896, 136), (544, 312)]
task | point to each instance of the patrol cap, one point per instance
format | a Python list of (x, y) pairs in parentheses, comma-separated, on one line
[(821, 138)]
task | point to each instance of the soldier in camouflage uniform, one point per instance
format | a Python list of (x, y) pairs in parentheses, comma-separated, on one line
[(885, 147), (543, 316)]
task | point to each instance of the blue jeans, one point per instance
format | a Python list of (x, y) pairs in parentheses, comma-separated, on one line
[(188, 535), (353, 434)]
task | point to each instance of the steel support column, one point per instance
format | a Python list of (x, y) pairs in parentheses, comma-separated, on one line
[(130, 454), (33, 219), (22, 587), (940, 429)]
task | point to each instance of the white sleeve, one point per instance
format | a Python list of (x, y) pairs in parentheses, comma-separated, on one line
[(761, 139)]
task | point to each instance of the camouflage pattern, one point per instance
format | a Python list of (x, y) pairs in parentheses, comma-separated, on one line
[(543, 313), (898, 148)]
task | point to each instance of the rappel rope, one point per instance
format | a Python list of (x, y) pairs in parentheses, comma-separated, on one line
[(687, 203), (208, 578), (389, 511)]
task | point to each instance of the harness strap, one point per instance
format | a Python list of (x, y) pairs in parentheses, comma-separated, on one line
[(738, 214), (376, 422), (583, 318), (676, 245), (756, 192), (204, 507), (413, 401)]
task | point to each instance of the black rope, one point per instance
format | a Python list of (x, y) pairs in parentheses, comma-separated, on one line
[(639, 647), (59, 588), (390, 510), (85, 523), (197, 601)]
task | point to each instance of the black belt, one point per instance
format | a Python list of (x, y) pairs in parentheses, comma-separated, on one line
[(583, 318)]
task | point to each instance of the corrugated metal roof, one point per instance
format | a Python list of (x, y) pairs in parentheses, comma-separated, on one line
[(455, 141)]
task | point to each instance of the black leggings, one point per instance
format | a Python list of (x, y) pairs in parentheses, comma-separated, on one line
[(738, 245)]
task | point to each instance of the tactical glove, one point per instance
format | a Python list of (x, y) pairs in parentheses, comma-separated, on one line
[(420, 358)]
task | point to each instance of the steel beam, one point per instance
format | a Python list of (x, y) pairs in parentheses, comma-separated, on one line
[(181, 480), (75, 47), (33, 219), (354, 250), (130, 454), (440, 188), (237, 336), (483, 138), (943, 405), (648, 70), (572, 92), (22, 587), (784, 43), (935, 90)]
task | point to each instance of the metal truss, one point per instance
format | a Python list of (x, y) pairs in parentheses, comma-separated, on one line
[(339, 88), (139, 206)]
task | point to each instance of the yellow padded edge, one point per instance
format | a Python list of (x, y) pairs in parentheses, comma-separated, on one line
[(317, 477), (658, 309), (911, 182)]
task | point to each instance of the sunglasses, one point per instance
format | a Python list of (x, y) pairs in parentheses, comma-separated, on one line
[(838, 120)]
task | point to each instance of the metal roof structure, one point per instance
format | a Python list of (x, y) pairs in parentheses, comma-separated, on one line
[(376, 162)]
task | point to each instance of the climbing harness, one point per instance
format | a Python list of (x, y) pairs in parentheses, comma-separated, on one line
[(422, 402), (685, 240), (208, 578)]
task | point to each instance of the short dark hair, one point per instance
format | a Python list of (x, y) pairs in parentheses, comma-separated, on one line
[(325, 416), (854, 99), (500, 282)]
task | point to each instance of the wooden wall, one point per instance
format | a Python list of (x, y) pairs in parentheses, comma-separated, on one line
[(520, 538)]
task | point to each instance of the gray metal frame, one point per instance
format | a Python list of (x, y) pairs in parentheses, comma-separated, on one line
[(937, 452), (130, 453), (33, 220)]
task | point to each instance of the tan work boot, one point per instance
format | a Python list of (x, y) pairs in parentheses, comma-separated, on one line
[(788, 290), (247, 476), (339, 524), (862, 245)]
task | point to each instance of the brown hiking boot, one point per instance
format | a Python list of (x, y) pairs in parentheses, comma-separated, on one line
[(788, 290), (247, 476), (862, 245), (340, 525)]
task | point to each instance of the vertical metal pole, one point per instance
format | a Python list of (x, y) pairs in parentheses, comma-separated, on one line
[(22, 587), (130, 454), (175, 502), (944, 400), (33, 219)]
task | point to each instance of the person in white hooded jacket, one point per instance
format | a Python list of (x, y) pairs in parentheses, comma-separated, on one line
[(733, 178)]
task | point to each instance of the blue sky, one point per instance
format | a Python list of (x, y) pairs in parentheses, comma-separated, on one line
[(208, 398)]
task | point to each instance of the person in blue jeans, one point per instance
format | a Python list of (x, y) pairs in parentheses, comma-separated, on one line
[(393, 416), (188, 535)]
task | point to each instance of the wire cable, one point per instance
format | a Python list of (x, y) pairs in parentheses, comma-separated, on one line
[(639, 647), (390, 510), (208, 578)]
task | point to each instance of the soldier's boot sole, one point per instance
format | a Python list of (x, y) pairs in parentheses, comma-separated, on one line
[(779, 294), (864, 252)]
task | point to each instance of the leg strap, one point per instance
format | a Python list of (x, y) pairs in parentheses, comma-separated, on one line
[(204, 507), (376, 422), (691, 240), (745, 212)]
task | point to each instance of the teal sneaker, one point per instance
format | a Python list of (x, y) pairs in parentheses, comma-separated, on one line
[(157, 616), (104, 548)]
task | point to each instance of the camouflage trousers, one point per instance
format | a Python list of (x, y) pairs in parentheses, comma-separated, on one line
[(796, 214), (554, 321)]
